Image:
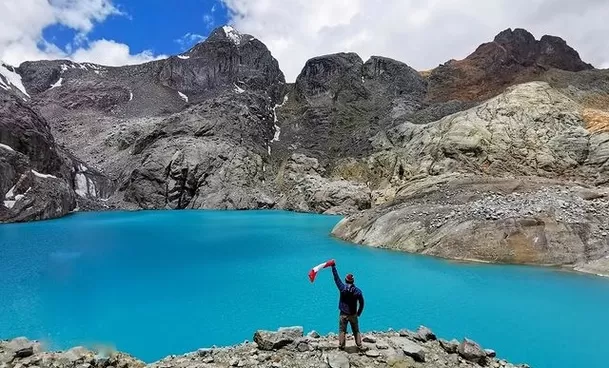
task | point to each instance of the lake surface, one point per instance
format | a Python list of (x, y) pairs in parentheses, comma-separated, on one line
[(168, 282)]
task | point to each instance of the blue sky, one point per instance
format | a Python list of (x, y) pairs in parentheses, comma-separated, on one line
[(159, 26)]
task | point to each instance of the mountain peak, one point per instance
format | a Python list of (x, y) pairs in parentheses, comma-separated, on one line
[(513, 56), (518, 35), (228, 33)]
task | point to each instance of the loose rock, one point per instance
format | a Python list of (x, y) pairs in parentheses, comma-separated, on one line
[(470, 350), (424, 334), (268, 340), (337, 360)]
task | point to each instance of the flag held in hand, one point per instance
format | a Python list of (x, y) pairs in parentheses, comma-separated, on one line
[(319, 267)]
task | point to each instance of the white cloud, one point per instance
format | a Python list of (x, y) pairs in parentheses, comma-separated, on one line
[(208, 20), (112, 53), (189, 39), (22, 23), (81, 14), (422, 33)]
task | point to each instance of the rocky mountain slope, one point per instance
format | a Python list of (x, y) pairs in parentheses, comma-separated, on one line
[(284, 348), (495, 148)]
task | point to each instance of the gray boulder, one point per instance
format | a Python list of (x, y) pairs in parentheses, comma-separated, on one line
[(337, 360), (270, 340), (424, 334), (410, 348), (449, 346), (21, 347), (470, 350), (314, 335)]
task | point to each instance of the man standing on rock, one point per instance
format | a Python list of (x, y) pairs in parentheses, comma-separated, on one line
[(350, 296)]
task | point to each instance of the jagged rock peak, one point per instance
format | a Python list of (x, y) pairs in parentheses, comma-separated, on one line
[(329, 72), (551, 51), (228, 33), (518, 35)]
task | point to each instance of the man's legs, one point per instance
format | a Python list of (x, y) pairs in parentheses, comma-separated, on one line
[(342, 331), (353, 320)]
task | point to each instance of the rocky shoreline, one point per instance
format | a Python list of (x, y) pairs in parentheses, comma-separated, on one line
[(528, 221), (286, 348)]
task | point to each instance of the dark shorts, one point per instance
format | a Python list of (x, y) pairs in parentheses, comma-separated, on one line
[(343, 319)]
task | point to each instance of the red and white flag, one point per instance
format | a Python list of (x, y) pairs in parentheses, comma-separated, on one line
[(319, 267)]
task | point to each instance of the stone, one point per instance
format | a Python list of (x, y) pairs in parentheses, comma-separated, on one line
[(313, 334), (234, 362), (403, 362), (373, 353), (410, 348), (337, 360), (24, 352), (490, 353), (269, 340), (449, 346), (369, 339), (204, 352), (471, 351), (382, 345), (424, 334), (303, 346), (77, 353), (20, 343)]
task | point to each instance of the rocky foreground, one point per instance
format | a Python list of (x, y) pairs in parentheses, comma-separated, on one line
[(287, 347)]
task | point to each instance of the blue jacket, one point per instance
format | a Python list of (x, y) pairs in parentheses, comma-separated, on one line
[(350, 295)]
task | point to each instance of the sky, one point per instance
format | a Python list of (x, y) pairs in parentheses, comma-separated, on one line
[(421, 33)]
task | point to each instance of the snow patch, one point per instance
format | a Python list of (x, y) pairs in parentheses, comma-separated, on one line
[(232, 34), (363, 79), (10, 198), (277, 128), (269, 149), (64, 67), (83, 186), (9, 148), (183, 96), (82, 66), (44, 176), (13, 78), (10, 194), (238, 89), (130, 95), (96, 71), (184, 57), (57, 84)]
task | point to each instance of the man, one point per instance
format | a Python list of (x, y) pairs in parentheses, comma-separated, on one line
[(350, 296)]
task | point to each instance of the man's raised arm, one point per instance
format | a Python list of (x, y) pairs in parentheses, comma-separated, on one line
[(337, 280)]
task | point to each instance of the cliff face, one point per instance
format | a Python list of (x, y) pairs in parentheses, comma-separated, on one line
[(442, 194)]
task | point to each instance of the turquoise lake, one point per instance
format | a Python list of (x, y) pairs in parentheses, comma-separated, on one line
[(167, 282)]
